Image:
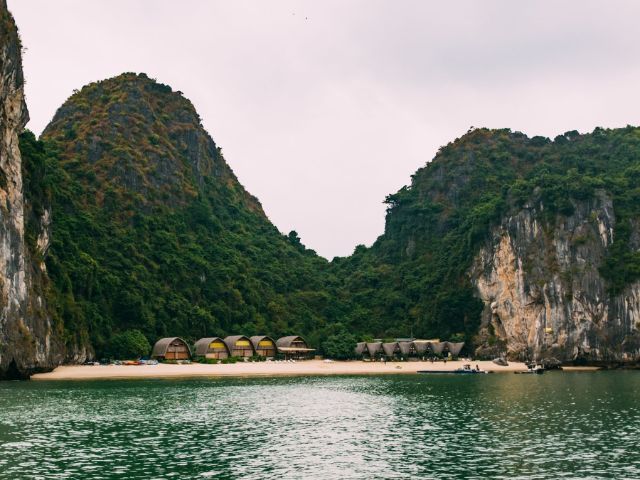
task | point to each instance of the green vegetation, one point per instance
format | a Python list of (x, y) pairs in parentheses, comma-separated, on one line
[(152, 231), (161, 238), (127, 345), (415, 277)]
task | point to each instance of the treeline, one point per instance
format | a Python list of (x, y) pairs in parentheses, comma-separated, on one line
[(151, 231)]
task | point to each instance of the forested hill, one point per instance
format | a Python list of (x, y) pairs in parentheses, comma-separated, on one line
[(532, 242), (151, 229), (497, 241)]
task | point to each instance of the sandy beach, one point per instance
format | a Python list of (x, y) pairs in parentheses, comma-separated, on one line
[(308, 367)]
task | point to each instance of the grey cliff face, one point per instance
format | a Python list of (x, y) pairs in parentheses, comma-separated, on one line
[(543, 293), (27, 341)]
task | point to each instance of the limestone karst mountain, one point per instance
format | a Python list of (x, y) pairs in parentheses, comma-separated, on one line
[(124, 216)]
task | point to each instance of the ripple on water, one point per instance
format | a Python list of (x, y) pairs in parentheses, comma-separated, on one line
[(499, 426)]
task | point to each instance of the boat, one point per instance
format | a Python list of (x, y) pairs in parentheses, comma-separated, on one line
[(465, 370), (532, 369)]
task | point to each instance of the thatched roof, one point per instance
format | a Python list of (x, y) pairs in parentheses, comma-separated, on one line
[(230, 341), (455, 348), (360, 348), (406, 347), (374, 348), (202, 345), (390, 348), (438, 347), (287, 342), (256, 339), (421, 347), (162, 345)]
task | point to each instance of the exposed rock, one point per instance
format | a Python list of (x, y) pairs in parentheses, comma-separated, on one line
[(543, 293), (27, 340)]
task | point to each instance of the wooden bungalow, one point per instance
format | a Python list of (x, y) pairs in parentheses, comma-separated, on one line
[(212, 347), (407, 348), (294, 346), (361, 348), (264, 346), (171, 348), (391, 349), (454, 348), (239, 346), (374, 349), (438, 348)]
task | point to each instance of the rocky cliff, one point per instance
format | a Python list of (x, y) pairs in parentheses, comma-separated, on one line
[(543, 293), (28, 342), (528, 247)]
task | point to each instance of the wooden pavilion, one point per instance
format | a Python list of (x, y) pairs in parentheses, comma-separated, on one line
[(239, 346), (171, 348), (294, 346), (212, 347), (264, 346)]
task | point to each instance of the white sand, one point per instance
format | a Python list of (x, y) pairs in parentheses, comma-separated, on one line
[(307, 367)]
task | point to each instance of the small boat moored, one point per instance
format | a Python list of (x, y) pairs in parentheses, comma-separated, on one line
[(533, 369)]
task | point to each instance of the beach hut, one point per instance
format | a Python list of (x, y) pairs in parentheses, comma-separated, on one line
[(391, 349), (212, 347), (239, 346), (407, 348), (374, 349), (294, 346), (455, 348), (438, 347), (171, 348), (264, 346), (422, 348)]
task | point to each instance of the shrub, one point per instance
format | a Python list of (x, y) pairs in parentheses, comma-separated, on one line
[(129, 344)]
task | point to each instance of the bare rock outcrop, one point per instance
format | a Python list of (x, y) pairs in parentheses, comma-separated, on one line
[(543, 293), (28, 341)]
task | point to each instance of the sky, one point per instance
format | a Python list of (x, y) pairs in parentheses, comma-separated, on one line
[(323, 108)]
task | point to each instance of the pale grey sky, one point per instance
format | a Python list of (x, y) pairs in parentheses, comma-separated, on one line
[(322, 108)]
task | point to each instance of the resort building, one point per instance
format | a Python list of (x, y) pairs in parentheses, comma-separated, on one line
[(239, 346), (391, 349), (454, 348), (374, 349), (264, 346), (407, 348), (212, 347), (294, 347), (171, 348)]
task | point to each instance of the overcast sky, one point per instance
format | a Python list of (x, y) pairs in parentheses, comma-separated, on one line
[(322, 108)]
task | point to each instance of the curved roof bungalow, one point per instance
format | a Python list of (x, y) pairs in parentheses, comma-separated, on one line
[(239, 346), (422, 348), (294, 346), (391, 349), (455, 348), (407, 348), (374, 349), (438, 347), (263, 345), (212, 347), (171, 348)]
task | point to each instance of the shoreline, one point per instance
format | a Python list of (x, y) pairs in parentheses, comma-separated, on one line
[(262, 369)]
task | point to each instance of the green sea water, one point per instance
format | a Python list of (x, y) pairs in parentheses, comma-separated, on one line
[(558, 425)]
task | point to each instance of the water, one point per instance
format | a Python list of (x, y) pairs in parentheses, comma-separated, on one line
[(558, 425)]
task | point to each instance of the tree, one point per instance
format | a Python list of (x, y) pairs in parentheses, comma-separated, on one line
[(339, 343), (129, 344)]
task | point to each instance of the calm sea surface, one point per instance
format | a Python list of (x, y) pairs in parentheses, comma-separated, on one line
[(558, 425)]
